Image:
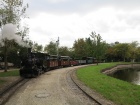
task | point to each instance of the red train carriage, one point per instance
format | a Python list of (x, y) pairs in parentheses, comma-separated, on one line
[(74, 62), (53, 62), (64, 61)]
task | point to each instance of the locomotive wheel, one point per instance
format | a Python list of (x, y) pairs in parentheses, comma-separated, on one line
[(21, 74), (46, 70), (42, 72), (38, 73), (35, 73)]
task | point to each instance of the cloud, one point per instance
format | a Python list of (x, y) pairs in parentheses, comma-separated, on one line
[(79, 6), (106, 21), (57, 1), (73, 19)]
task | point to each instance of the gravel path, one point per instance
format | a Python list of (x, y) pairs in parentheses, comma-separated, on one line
[(52, 88)]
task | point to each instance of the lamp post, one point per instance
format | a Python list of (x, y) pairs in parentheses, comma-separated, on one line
[(57, 45)]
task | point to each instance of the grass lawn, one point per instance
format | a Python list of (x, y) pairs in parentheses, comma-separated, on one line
[(118, 91), (10, 73), (14, 72)]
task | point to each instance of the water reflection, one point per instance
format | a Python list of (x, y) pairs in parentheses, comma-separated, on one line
[(129, 75)]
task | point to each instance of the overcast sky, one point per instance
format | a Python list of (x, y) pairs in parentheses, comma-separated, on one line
[(114, 20)]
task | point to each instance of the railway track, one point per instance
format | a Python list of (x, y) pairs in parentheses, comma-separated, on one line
[(77, 88), (93, 95), (9, 90)]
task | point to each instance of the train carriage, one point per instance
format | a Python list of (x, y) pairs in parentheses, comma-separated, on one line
[(82, 61), (53, 62), (89, 60), (64, 61), (74, 62)]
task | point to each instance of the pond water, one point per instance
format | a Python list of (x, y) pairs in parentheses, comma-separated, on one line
[(129, 75)]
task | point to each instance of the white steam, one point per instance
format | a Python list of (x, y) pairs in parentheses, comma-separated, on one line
[(9, 33)]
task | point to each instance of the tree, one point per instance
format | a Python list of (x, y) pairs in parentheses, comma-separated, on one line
[(134, 50), (10, 12), (122, 51), (71, 53), (137, 54), (51, 48), (64, 51), (37, 48), (89, 47), (99, 46), (79, 47), (110, 53)]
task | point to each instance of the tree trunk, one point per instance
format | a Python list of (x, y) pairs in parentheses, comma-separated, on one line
[(5, 56), (97, 61), (124, 59)]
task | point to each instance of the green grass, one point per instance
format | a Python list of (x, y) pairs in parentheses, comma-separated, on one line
[(10, 73), (14, 72), (118, 91)]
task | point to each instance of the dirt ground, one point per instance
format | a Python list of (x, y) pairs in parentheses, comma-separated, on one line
[(9, 81), (52, 88)]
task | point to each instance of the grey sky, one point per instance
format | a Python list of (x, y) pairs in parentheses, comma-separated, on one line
[(115, 20), (79, 6)]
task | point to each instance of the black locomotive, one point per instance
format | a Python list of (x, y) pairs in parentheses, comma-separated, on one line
[(35, 64)]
